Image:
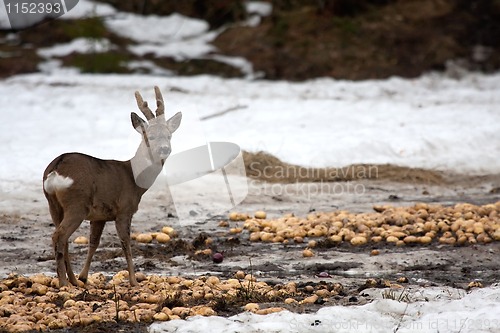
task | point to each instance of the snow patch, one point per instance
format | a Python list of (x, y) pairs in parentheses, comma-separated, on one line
[(431, 122), (78, 45), (261, 8), (174, 36), (148, 66), (156, 29), (87, 8), (178, 50), (242, 64), (474, 312)]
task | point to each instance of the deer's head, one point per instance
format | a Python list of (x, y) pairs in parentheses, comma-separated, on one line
[(156, 131)]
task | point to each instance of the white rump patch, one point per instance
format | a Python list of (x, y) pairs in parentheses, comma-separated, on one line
[(55, 182)]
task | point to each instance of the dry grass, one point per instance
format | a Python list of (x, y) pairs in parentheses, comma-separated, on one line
[(266, 167)]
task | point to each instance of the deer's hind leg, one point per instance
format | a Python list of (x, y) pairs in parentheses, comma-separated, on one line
[(96, 228), (55, 209), (57, 214), (67, 264), (70, 222)]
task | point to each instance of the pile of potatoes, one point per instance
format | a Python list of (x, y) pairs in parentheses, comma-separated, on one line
[(37, 303), (419, 224)]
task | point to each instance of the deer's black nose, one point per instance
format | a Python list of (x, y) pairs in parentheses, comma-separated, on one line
[(164, 151)]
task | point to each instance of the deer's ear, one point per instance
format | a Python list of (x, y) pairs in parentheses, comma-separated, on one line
[(174, 122), (137, 122)]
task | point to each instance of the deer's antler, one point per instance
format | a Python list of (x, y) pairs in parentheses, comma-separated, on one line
[(143, 106), (159, 102)]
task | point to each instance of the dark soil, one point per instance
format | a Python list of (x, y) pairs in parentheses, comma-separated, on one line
[(359, 40), (266, 167)]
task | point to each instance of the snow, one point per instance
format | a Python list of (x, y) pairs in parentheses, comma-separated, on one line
[(175, 36), (159, 28), (179, 50), (244, 65), (256, 10), (77, 45), (150, 66), (476, 311), (87, 8), (431, 122), (261, 8)]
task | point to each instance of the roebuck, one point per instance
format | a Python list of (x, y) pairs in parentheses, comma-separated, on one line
[(81, 187)]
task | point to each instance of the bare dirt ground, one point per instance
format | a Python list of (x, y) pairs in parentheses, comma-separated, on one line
[(25, 246)]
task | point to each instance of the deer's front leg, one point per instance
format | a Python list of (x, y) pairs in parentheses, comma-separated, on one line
[(122, 225), (96, 228)]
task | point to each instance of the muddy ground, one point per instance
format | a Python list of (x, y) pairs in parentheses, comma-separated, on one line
[(25, 246)]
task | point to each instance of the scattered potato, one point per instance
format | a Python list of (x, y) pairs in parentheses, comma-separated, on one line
[(162, 238), (234, 216), (310, 300), (474, 284), (81, 240), (169, 231), (425, 239), (358, 240), (235, 230), (252, 307), (410, 239), (223, 224), (144, 238), (205, 252), (269, 310), (312, 243), (392, 239), (307, 253), (204, 311), (260, 214), (160, 316)]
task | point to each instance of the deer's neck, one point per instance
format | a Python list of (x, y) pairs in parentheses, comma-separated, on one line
[(145, 167)]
